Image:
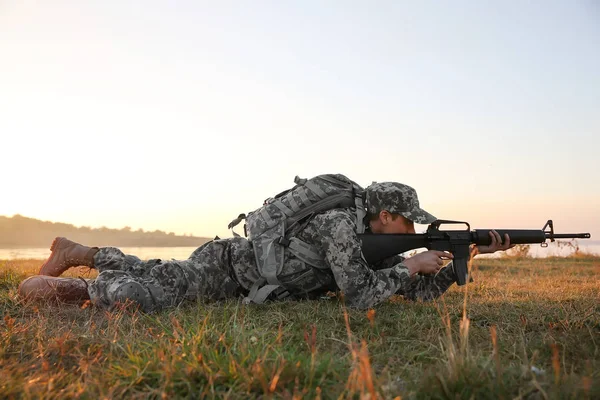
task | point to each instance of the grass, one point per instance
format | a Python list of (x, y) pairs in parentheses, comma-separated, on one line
[(531, 330)]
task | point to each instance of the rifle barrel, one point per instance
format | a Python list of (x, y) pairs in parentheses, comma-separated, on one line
[(523, 236), (517, 236), (568, 235)]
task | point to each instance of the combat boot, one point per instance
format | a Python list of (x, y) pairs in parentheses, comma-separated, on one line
[(66, 254), (41, 287)]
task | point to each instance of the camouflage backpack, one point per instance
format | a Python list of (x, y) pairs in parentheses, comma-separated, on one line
[(273, 227)]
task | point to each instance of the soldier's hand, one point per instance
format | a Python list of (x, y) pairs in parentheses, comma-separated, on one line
[(427, 262), (495, 245)]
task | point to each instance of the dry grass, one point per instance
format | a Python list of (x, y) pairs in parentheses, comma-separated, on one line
[(531, 330)]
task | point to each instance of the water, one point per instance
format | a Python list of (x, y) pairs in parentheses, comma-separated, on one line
[(182, 253), (145, 253)]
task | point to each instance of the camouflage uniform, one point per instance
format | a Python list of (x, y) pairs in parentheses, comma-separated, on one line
[(363, 286), (217, 270), (226, 268)]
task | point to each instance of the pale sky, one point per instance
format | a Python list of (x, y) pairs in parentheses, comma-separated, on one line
[(179, 115)]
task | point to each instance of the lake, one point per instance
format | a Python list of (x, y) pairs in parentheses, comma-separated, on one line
[(145, 253), (182, 253)]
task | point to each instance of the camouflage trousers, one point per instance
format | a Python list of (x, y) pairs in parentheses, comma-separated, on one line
[(158, 284)]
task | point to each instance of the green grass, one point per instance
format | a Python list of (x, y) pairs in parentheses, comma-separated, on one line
[(532, 330)]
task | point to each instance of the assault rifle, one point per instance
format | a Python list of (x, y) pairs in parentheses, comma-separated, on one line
[(376, 247)]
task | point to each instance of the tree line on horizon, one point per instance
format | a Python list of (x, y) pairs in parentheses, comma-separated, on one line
[(19, 231)]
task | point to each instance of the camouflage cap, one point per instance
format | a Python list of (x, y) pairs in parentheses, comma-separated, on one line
[(397, 199)]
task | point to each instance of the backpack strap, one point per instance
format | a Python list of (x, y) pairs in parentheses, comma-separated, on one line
[(259, 292), (279, 204), (265, 215), (315, 189), (235, 222), (270, 262), (292, 202), (306, 253), (360, 213), (301, 182)]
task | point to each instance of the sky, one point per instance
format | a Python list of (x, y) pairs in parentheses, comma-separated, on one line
[(179, 115)]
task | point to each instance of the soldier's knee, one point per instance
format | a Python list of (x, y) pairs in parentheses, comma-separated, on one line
[(148, 297), (117, 287), (132, 292)]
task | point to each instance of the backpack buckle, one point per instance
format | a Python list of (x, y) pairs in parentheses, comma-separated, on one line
[(283, 241)]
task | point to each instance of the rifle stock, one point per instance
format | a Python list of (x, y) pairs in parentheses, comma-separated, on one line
[(377, 247)]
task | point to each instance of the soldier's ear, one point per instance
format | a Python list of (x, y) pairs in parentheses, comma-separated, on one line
[(385, 217)]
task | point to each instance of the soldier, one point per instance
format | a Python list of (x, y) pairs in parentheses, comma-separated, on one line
[(226, 268)]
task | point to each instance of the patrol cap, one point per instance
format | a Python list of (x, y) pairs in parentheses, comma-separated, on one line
[(396, 198)]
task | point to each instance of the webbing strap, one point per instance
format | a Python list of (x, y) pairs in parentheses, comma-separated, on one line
[(317, 190), (259, 293), (286, 211), (292, 202), (263, 293), (269, 265), (307, 253), (360, 214), (265, 215), (254, 290), (304, 198)]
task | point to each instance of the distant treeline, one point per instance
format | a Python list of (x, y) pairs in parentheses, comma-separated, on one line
[(19, 231)]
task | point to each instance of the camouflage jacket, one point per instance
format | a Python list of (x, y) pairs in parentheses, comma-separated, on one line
[(334, 234)]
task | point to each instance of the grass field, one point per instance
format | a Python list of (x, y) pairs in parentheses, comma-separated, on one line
[(531, 330)]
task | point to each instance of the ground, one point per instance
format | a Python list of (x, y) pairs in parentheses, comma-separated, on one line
[(525, 327)]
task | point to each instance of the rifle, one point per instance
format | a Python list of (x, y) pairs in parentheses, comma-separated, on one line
[(376, 247)]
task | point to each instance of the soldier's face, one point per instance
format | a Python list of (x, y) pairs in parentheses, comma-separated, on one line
[(400, 225), (388, 223)]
